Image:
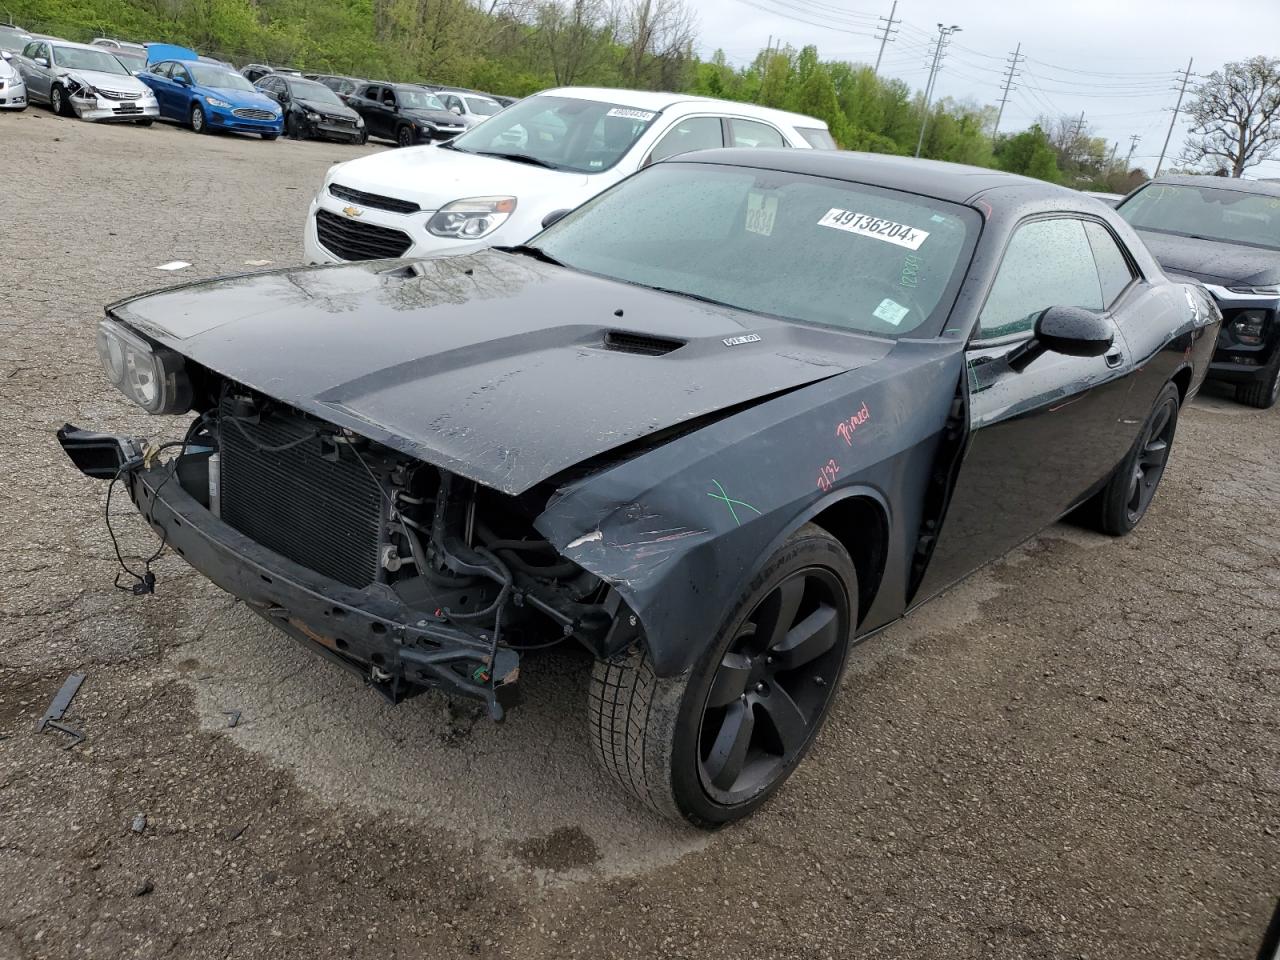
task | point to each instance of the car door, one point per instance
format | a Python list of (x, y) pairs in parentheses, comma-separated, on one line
[(36, 74), (1042, 436), (687, 135), (156, 79), (388, 110)]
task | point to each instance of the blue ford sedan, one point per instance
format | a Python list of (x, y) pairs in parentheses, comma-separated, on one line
[(208, 97)]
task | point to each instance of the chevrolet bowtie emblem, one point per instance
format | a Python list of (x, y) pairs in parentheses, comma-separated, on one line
[(353, 211)]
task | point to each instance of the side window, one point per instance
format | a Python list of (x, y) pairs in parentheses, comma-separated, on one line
[(692, 133), (180, 73), (161, 69), (753, 133), (29, 51), (1113, 268), (1048, 263), (388, 96)]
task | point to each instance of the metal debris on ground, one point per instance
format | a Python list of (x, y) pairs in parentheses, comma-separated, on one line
[(58, 709), (233, 717)]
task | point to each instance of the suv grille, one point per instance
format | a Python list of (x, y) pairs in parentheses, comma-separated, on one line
[(350, 239), (375, 200), (322, 513), (252, 113)]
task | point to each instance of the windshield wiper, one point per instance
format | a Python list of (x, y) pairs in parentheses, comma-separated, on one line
[(528, 250), (519, 158), (690, 296)]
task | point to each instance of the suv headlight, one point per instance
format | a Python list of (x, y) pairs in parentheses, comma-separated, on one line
[(215, 102), (153, 377), (472, 218)]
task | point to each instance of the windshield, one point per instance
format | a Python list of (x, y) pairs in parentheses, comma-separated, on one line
[(1212, 213), (206, 75), (821, 251), (13, 40), (73, 58), (561, 132), (410, 99), (132, 59), (310, 90), (482, 107)]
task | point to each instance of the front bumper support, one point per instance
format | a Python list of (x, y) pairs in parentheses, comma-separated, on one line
[(397, 649)]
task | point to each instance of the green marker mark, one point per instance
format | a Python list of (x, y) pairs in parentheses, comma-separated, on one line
[(730, 502)]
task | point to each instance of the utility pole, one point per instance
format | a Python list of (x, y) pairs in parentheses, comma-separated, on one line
[(943, 34), (890, 32), (1115, 148), (1010, 73), (1182, 90), (1133, 145)]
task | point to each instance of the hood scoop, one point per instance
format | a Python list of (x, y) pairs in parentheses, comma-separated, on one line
[(641, 344)]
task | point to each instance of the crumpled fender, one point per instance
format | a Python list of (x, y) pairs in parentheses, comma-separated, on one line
[(679, 530)]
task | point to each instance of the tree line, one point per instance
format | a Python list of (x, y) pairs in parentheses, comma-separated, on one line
[(518, 47)]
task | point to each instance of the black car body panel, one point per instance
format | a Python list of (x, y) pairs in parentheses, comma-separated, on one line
[(665, 446)]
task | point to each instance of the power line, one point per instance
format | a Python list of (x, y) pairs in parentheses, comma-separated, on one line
[(1186, 76), (887, 36), (939, 47), (1012, 72)]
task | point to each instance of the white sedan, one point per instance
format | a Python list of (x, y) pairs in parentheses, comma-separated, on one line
[(13, 92), (496, 183)]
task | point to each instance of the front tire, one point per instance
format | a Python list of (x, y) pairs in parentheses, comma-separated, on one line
[(712, 745), (58, 102), (199, 122), (404, 136), (1265, 391), (1123, 502)]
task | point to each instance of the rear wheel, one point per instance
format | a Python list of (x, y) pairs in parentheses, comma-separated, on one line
[(404, 136), (1265, 391), (199, 123), (1125, 499), (712, 745)]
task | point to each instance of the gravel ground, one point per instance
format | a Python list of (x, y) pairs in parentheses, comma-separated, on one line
[(1073, 754)]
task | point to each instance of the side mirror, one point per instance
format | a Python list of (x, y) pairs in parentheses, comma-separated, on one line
[(6, 54), (1070, 331), (41, 62), (553, 216), (182, 81), (456, 111)]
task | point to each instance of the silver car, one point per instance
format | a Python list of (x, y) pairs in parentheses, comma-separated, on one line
[(13, 92), (76, 79), (473, 108)]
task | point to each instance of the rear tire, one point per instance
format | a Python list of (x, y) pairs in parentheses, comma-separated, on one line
[(1123, 502), (713, 744), (1264, 392)]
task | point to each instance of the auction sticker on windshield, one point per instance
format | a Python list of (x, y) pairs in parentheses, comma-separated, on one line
[(644, 116), (762, 210), (866, 225)]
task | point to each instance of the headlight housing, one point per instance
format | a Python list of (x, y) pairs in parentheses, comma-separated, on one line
[(153, 377), (1249, 326), (359, 121), (86, 92), (313, 117), (472, 218), (215, 102)]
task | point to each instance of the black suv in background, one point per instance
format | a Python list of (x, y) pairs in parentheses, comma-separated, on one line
[(404, 113), (312, 111), (344, 87), (1226, 234)]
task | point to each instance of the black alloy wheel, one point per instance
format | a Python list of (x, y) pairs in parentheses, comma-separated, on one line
[(1263, 392), (1153, 455), (404, 136), (772, 685)]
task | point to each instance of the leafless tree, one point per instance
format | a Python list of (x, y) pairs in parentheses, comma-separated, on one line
[(1235, 116), (575, 36), (659, 37)]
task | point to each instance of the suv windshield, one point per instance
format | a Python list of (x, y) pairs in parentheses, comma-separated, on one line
[(561, 132), (482, 107), (206, 75), (1210, 213), (411, 99), (73, 58), (315, 92), (804, 248)]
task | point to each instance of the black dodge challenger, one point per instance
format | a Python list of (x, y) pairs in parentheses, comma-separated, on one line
[(717, 425)]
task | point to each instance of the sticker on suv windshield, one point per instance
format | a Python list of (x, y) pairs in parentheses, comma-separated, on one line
[(890, 311), (642, 115), (866, 225), (762, 210)]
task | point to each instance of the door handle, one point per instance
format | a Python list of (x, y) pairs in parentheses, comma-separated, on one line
[(1114, 358)]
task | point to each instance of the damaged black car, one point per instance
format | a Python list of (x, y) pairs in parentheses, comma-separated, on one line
[(717, 425)]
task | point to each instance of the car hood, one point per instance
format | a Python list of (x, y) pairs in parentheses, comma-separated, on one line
[(432, 176), (441, 117), (328, 109), (498, 367), (241, 98), (109, 81), (1212, 261), (7, 70)]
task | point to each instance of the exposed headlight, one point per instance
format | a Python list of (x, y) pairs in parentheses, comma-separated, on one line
[(86, 92), (153, 377), (472, 218), (359, 121), (313, 117), (215, 102), (1267, 291)]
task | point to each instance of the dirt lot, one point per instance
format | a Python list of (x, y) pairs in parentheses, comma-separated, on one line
[(1074, 754)]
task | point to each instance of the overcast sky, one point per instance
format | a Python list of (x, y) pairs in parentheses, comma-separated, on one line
[(1117, 60)]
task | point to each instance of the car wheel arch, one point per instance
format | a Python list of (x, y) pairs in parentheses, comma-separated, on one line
[(1182, 380)]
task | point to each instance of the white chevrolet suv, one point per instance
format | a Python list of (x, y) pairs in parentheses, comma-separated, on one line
[(496, 183)]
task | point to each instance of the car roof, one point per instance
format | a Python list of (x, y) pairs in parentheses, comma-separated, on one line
[(55, 42), (657, 100), (955, 182), (1261, 187)]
